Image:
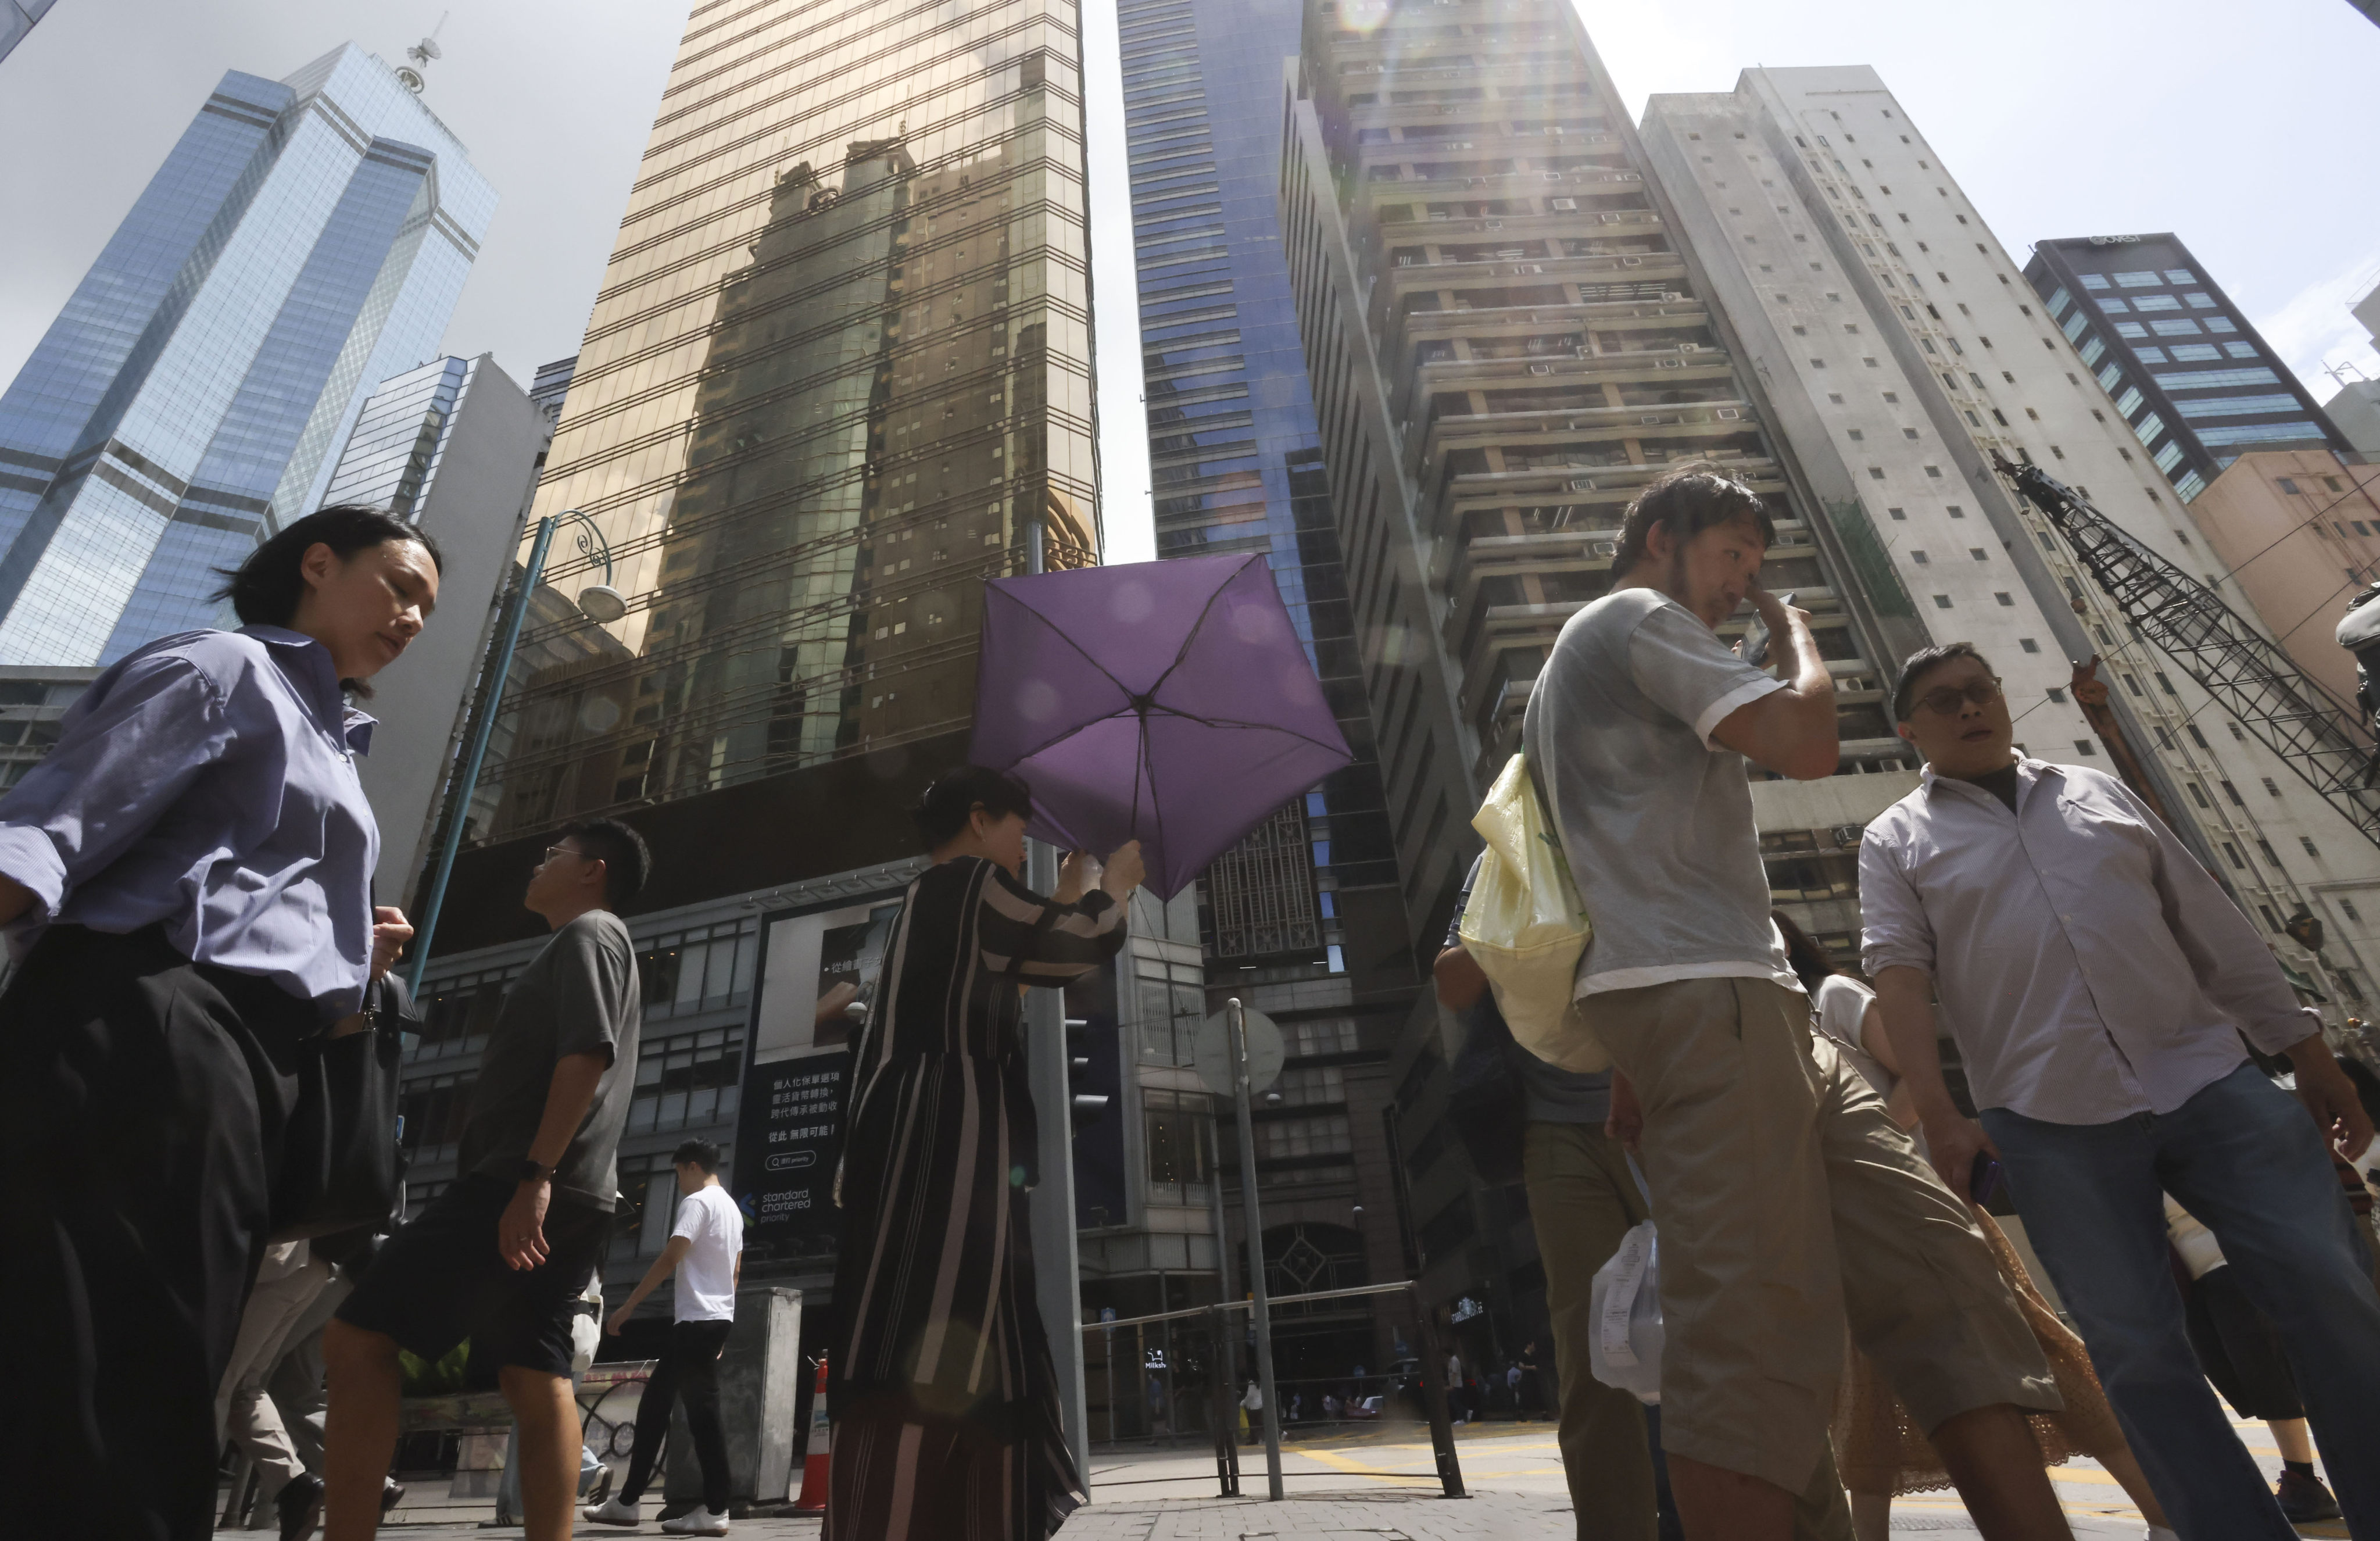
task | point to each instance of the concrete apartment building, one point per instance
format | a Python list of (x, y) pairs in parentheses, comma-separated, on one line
[(1506, 342), (1937, 353), (2186, 368), (2300, 532)]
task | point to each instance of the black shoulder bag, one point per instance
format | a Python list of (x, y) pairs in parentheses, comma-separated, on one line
[(341, 1168)]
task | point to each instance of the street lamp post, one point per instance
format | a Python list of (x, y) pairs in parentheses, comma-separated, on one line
[(599, 602)]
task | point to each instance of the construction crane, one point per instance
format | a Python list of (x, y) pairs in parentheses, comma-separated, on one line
[(2316, 735)]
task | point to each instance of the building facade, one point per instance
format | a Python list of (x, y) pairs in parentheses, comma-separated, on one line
[(2355, 412), (17, 18), (2182, 365), (1897, 366), (453, 447), (1304, 920), (305, 240), (837, 377), (1507, 342), (2300, 532)]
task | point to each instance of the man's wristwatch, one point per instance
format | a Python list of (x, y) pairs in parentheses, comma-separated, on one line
[(531, 1171)]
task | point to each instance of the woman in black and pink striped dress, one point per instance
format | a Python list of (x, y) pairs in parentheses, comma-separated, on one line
[(944, 1400)]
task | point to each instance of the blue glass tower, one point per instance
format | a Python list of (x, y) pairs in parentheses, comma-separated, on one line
[(1306, 919), (305, 240)]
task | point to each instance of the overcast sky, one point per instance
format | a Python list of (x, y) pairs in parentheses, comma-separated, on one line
[(2234, 123)]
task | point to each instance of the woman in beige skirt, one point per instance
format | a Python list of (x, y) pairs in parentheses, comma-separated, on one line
[(1878, 1451)]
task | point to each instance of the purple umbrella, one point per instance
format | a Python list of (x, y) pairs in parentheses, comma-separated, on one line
[(1167, 702)]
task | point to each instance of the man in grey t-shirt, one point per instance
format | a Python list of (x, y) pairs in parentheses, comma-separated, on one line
[(1772, 1161), (502, 1256)]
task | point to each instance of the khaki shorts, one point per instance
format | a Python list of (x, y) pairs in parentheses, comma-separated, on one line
[(1787, 1199)]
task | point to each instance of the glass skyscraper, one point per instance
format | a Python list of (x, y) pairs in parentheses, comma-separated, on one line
[(1305, 919), (17, 18), (305, 240), (2185, 367), (837, 375)]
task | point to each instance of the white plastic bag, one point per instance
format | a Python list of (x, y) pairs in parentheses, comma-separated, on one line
[(1525, 927), (1624, 1350)]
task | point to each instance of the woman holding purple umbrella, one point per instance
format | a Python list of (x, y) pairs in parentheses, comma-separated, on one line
[(942, 1387)]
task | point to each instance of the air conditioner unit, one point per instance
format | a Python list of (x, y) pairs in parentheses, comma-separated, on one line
[(1495, 224), (1405, 261), (1848, 834), (1671, 294), (1582, 485), (1541, 369), (1729, 415), (1551, 175), (1669, 363), (1632, 262), (1606, 548), (1609, 219), (1568, 205), (1650, 418)]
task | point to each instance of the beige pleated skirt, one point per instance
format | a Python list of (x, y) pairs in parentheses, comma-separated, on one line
[(1880, 1451)]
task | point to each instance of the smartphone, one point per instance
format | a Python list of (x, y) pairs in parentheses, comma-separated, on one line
[(1755, 636), (1983, 1178)]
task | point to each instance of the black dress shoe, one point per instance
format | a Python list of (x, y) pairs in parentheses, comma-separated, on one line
[(299, 1504)]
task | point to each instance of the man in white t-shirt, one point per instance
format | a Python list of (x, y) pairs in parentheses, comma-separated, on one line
[(706, 1254)]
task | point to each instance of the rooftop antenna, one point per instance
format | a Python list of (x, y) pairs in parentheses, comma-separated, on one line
[(409, 75), (2341, 370)]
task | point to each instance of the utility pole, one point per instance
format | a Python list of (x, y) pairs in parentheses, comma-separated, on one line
[(1243, 1096), (1057, 1260)]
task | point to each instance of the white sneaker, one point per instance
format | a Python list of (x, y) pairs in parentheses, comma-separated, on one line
[(697, 1521), (611, 1511)]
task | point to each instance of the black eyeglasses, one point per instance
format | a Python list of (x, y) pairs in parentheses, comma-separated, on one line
[(553, 851), (1946, 699)]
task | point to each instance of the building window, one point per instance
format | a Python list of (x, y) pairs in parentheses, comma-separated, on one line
[(1897, 514), (1941, 601), (2083, 747), (2310, 848), (2006, 602), (2028, 644), (1920, 558)]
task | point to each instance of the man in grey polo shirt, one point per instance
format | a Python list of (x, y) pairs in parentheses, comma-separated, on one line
[(1768, 1156)]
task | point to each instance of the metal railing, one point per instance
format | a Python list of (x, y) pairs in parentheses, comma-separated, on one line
[(1429, 1379)]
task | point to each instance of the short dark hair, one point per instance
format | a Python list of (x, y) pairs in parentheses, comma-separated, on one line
[(1917, 663), (1685, 501), (942, 813), (696, 1153), (264, 590), (1810, 962), (627, 861)]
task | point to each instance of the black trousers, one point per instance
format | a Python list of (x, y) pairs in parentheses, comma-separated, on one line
[(142, 1100), (688, 1372)]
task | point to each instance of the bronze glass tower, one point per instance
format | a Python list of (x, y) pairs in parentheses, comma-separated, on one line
[(837, 376)]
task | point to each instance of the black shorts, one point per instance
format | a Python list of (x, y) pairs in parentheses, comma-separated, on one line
[(441, 1279)]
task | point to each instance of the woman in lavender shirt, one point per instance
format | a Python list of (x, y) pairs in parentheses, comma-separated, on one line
[(187, 884)]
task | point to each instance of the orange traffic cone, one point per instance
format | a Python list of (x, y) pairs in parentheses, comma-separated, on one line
[(814, 1463)]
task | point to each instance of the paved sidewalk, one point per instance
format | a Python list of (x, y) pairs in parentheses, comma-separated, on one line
[(1382, 1487)]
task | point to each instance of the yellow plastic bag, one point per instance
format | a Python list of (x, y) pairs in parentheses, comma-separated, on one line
[(1525, 927)]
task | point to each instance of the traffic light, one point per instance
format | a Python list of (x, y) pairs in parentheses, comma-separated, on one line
[(1085, 1106)]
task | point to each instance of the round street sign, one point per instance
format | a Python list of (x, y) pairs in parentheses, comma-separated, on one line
[(1211, 1051)]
